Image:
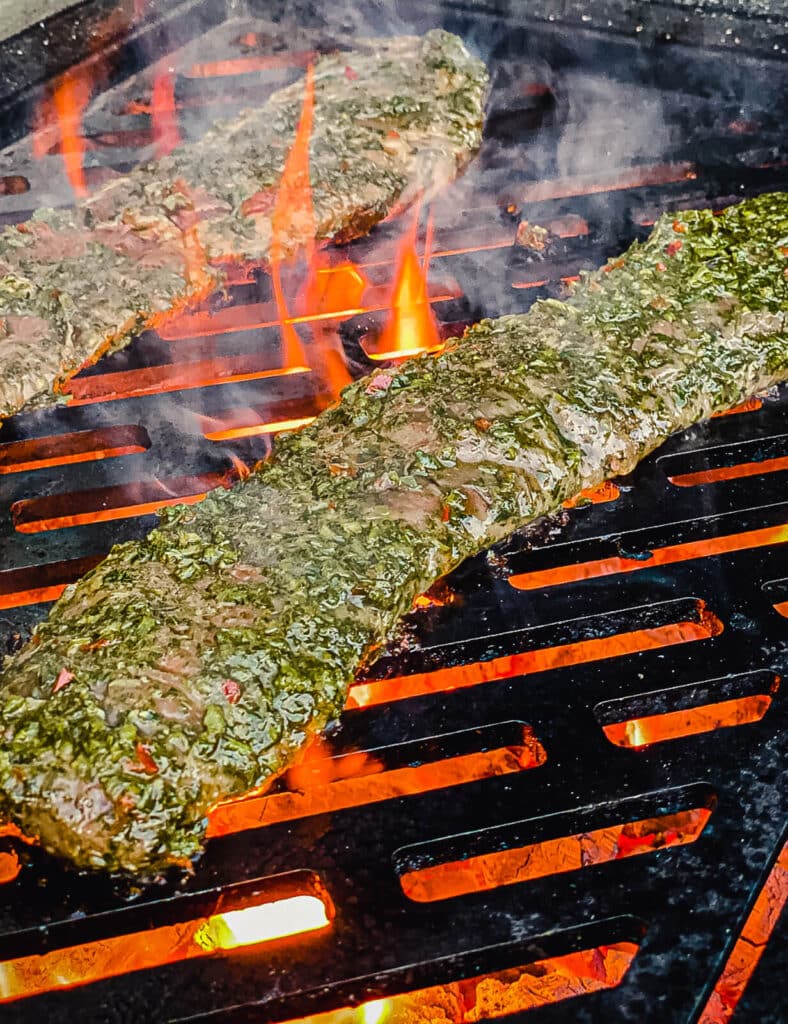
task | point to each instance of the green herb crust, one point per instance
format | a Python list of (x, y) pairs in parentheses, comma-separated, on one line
[(192, 666), (392, 119)]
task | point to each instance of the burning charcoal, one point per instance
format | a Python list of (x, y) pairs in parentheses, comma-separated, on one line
[(532, 236)]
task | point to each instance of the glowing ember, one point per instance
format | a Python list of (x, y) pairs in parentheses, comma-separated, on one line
[(35, 584), (658, 556), (56, 512), (158, 380), (69, 99), (640, 732), (256, 429), (498, 994), (381, 691), (553, 856), (263, 923), (743, 469), (375, 1012), (107, 958), (66, 449), (750, 945), (411, 329)]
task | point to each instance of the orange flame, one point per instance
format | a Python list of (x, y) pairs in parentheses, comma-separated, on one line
[(164, 120), (69, 99), (294, 216), (412, 328), (240, 469)]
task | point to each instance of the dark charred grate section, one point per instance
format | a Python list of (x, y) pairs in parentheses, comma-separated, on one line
[(578, 741)]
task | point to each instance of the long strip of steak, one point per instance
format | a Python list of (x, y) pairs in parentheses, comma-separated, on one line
[(192, 666), (392, 119)]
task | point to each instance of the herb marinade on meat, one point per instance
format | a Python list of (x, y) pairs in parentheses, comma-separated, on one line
[(191, 666), (392, 118)]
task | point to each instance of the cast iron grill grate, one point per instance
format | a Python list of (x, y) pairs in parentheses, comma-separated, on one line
[(567, 779)]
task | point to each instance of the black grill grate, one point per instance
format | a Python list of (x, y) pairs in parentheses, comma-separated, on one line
[(595, 136)]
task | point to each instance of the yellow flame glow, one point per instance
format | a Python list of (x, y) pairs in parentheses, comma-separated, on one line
[(374, 1012), (262, 923), (635, 735)]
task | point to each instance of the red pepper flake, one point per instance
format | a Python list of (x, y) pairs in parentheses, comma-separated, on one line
[(614, 265), (63, 679), (445, 514), (260, 203), (338, 469), (350, 73), (661, 267), (379, 382), (101, 642), (145, 759), (673, 248), (482, 423), (679, 227), (784, 250), (231, 691)]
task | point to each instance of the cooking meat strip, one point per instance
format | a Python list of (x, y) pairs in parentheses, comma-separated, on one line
[(191, 666), (393, 119)]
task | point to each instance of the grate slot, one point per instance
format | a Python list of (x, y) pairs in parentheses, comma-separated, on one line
[(66, 449), (321, 784), (522, 851), (681, 711)]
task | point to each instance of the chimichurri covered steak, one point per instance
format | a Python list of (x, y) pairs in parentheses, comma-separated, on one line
[(393, 118), (193, 665)]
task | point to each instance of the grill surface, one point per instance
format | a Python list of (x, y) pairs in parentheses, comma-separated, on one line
[(512, 711)]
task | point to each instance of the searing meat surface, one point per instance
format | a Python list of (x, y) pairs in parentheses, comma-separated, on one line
[(191, 666), (392, 119)]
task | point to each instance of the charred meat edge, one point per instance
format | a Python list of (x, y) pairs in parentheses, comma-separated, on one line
[(191, 666)]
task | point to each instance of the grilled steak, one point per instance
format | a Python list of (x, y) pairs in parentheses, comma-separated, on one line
[(192, 666), (391, 119)]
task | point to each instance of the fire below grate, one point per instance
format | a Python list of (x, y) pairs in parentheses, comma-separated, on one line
[(567, 777)]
